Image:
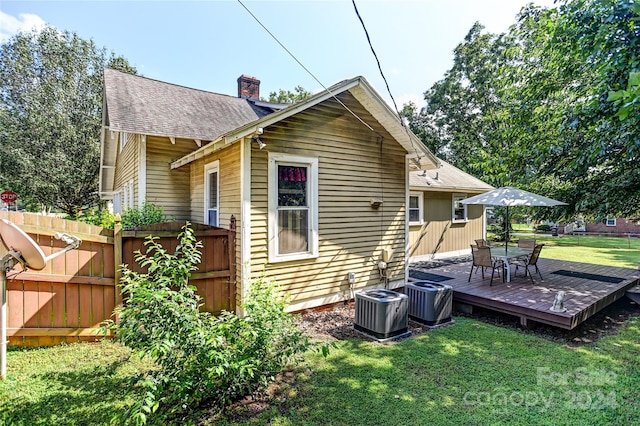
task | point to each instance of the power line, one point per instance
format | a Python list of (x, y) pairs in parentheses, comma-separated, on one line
[(377, 61), (303, 67), (384, 78)]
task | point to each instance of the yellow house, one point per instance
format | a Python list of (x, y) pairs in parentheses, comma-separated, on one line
[(439, 225), (318, 188)]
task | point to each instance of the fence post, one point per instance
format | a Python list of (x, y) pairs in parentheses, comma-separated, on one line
[(117, 260)]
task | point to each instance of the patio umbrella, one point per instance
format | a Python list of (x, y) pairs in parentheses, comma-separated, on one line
[(508, 196)]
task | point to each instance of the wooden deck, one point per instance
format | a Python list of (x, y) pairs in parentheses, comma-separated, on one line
[(531, 302)]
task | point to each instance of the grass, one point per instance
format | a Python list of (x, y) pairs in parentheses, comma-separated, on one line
[(612, 251), (471, 373), (76, 384)]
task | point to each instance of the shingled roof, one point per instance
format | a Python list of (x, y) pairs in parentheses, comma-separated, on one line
[(447, 178), (142, 105)]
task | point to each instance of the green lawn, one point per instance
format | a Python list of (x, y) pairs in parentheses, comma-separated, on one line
[(611, 251), (471, 373)]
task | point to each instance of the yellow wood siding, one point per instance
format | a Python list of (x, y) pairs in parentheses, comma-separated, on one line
[(438, 234), (353, 167), (168, 188), (230, 203), (127, 165), (229, 176)]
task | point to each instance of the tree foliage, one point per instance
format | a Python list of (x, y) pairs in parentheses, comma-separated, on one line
[(551, 105), (289, 97), (50, 116)]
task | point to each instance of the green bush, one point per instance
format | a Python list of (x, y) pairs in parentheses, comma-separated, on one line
[(543, 228), (131, 218), (201, 358), (146, 215), (101, 217)]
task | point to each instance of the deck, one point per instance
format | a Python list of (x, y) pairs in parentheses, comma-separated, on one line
[(598, 287)]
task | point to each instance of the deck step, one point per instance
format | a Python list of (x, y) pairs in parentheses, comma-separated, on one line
[(634, 294)]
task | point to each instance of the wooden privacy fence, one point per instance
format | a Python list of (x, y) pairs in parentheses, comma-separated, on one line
[(69, 299), (216, 275)]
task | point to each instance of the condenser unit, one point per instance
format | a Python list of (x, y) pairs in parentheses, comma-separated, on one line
[(430, 303), (381, 313)]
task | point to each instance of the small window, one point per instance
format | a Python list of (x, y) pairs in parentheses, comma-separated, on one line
[(117, 202), (212, 191), (293, 204), (459, 210), (611, 221), (415, 209), (123, 140)]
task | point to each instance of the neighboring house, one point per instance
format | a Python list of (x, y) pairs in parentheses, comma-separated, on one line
[(439, 225), (614, 225), (319, 188)]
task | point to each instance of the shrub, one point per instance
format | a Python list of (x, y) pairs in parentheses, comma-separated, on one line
[(543, 228), (200, 358), (101, 217), (131, 218), (146, 215)]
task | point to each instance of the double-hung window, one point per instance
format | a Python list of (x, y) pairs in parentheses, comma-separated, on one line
[(415, 208), (458, 210), (211, 193), (293, 207), (610, 221)]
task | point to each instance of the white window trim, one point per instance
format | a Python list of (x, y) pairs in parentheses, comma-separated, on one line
[(453, 208), (213, 167), (607, 223), (117, 202), (312, 179), (123, 140), (131, 195), (420, 196), (125, 196)]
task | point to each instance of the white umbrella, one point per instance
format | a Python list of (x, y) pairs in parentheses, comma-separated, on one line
[(508, 196)]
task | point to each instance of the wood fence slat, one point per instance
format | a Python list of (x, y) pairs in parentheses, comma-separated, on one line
[(97, 306), (58, 305), (15, 304), (85, 305), (72, 302)]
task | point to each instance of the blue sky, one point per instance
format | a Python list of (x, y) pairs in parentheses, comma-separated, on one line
[(208, 44)]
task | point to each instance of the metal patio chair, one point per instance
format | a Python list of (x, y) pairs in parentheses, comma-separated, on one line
[(482, 259), (532, 260)]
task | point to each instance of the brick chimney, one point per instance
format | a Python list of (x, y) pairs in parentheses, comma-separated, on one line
[(248, 87)]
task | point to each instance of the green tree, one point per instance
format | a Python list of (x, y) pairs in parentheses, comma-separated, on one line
[(289, 97), (551, 105), (50, 115)]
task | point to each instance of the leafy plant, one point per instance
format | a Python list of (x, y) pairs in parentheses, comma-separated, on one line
[(101, 217), (200, 358), (146, 215), (543, 227)]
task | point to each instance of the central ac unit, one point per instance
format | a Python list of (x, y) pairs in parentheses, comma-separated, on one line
[(381, 313), (430, 303)]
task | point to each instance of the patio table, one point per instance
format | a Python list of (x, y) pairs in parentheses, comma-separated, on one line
[(509, 254)]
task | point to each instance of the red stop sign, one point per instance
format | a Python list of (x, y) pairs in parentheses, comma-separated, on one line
[(8, 196)]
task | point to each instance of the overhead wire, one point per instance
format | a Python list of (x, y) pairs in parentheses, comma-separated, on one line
[(305, 68), (383, 77)]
